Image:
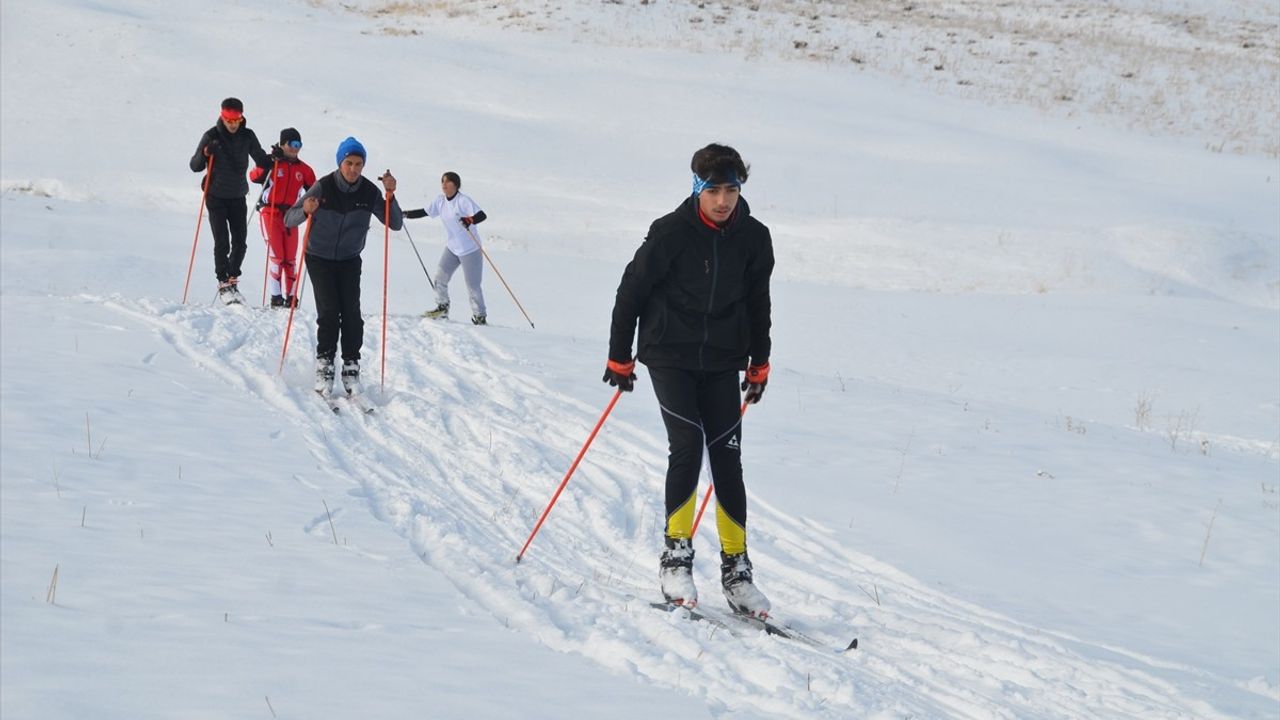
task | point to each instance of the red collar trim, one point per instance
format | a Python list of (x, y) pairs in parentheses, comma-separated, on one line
[(711, 223)]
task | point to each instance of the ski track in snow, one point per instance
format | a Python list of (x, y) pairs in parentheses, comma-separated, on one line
[(466, 448)]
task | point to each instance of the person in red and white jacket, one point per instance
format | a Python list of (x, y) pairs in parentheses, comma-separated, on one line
[(284, 182)]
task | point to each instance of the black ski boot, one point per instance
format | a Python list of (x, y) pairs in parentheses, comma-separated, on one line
[(351, 376), (739, 589), (675, 573), (324, 374)]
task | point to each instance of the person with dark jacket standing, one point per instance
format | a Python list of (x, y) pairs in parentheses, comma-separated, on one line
[(699, 287), (230, 143), (341, 205)]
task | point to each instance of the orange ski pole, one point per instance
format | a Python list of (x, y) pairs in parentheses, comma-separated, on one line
[(294, 306), (386, 250), (495, 270), (569, 474), (266, 236), (266, 261), (710, 488), (208, 180)]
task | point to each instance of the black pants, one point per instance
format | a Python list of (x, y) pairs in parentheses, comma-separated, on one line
[(336, 285), (228, 217), (702, 408)]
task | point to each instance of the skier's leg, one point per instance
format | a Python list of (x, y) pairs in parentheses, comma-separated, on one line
[(448, 266), (289, 259), (718, 406), (238, 222), (676, 391), (324, 288), (472, 270), (718, 400), (218, 224), (352, 322), (273, 221)]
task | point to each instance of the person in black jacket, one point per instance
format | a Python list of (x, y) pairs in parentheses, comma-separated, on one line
[(699, 287), (230, 143), (340, 207)]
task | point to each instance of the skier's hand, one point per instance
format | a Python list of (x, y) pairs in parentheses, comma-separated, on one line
[(757, 377), (414, 214), (211, 148), (277, 153), (620, 375), (388, 181), (310, 205), (467, 221)]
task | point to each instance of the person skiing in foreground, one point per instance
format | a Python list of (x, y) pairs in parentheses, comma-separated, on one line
[(341, 205), (699, 287), (286, 179), (230, 144)]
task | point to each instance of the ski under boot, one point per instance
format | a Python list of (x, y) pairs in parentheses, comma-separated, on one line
[(675, 573), (739, 590)]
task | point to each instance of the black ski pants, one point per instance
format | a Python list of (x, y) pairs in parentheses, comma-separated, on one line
[(336, 285), (702, 409), (229, 220)]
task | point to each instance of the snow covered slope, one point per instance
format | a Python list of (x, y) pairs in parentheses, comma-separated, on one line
[(1023, 437)]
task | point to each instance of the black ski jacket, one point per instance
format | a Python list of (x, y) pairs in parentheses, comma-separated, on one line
[(701, 295), (230, 160), (341, 223)]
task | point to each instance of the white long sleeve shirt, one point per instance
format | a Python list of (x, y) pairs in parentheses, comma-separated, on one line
[(450, 211)]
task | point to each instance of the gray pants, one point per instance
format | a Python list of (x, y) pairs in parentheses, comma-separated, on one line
[(472, 265)]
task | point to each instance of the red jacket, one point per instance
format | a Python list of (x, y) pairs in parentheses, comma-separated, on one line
[(291, 179)]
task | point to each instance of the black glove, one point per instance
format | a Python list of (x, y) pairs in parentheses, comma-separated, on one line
[(212, 148), (467, 221), (277, 153), (415, 214), (755, 381), (620, 375)]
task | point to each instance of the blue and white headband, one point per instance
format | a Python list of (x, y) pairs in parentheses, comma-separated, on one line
[(699, 184)]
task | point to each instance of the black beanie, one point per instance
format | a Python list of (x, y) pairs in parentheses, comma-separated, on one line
[(289, 134), (233, 104)]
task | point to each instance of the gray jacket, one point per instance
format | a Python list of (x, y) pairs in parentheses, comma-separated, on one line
[(341, 223)]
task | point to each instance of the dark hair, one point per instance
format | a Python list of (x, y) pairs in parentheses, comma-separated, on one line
[(452, 177), (719, 164), (233, 104)]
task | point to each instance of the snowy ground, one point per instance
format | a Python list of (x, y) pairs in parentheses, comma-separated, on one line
[(1022, 438)]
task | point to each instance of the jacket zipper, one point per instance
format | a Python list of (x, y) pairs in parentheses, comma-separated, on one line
[(713, 268)]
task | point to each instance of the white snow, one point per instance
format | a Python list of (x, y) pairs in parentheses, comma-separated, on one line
[(1022, 437)]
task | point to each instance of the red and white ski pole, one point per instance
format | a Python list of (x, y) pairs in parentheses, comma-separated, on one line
[(266, 236), (386, 252), (208, 180), (294, 306), (569, 474), (495, 270)]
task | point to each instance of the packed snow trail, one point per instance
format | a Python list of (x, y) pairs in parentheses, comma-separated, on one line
[(465, 448)]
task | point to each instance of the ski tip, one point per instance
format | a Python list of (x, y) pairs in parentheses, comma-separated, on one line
[(852, 646)]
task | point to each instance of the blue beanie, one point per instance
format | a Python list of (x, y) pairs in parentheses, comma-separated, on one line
[(350, 146)]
